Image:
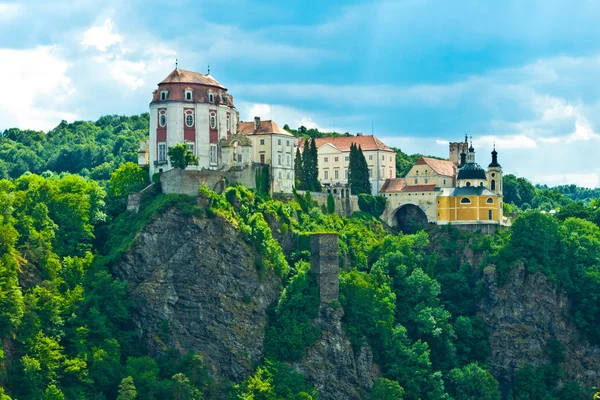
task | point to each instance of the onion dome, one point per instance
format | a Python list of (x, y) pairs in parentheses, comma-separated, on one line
[(494, 162), (471, 171)]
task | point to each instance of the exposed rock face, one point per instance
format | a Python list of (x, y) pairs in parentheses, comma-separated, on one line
[(195, 287), (522, 317), (331, 364)]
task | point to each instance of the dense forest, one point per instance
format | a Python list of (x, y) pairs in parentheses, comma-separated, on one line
[(65, 320)]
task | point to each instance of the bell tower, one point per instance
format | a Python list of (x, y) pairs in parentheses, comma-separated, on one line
[(494, 174)]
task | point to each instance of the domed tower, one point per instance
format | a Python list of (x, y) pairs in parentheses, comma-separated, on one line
[(192, 108), (470, 174), (494, 174)]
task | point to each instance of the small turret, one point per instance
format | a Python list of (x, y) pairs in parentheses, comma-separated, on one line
[(494, 174)]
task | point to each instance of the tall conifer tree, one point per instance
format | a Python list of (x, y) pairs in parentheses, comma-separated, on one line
[(298, 171), (358, 171), (314, 176), (306, 168)]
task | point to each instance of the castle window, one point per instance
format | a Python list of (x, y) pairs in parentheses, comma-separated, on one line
[(346, 158), (190, 146), (211, 97), (345, 173), (163, 94), (325, 174), (493, 184), (213, 153), (162, 152), (326, 159), (188, 95), (444, 181), (493, 174), (465, 200), (481, 184), (262, 158), (490, 200), (490, 215), (370, 172), (279, 158), (262, 142), (213, 122), (279, 142), (370, 157), (163, 120), (336, 174), (279, 174), (425, 180), (336, 159), (189, 120), (416, 181), (288, 160), (468, 184)]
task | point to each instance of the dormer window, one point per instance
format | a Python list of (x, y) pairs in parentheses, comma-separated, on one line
[(188, 95), (226, 100), (211, 97), (163, 94)]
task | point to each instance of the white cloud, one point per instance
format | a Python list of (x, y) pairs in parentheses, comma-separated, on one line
[(288, 115), (35, 86), (9, 10), (101, 37), (590, 180), (507, 142)]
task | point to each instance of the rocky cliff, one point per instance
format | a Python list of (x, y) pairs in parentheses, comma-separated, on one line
[(196, 287), (523, 316)]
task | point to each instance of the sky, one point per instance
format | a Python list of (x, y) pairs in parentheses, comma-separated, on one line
[(522, 74)]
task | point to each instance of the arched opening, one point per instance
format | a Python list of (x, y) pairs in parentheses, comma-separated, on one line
[(493, 184), (465, 200), (410, 218)]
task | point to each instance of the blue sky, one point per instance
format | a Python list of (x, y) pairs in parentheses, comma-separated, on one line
[(524, 74)]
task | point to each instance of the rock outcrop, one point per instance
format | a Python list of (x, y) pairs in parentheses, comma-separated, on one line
[(330, 363), (332, 366), (522, 316), (196, 287)]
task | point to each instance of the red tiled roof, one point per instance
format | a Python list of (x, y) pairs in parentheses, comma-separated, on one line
[(265, 128), (183, 76), (393, 185), (440, 167), (343, 143), (419, 188)]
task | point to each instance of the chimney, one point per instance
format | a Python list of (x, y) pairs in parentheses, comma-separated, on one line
[(324, 264), (256, 123)]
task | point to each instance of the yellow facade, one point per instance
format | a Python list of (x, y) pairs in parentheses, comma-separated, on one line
[(469, 209)]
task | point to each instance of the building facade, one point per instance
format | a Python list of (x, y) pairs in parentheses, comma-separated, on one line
[(191, 108), (334, 159), (194, 109), (274, 146), (447, 192)]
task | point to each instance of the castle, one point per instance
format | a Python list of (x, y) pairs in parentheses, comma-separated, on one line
[(458, 191), (194, 109)]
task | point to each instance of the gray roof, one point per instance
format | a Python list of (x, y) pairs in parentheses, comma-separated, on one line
[(471, 171), (467, 191)]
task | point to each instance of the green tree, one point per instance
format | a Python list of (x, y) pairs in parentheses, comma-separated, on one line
[(374, 205), (330, 204), (314, 183), (127, 389), (298, 170), (126, 179), (472, 382), (385, 389), (358, 171), (53, 393), (182, 389), (180, 156)]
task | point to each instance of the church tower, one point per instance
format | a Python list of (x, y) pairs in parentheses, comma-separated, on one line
[(494, 174)]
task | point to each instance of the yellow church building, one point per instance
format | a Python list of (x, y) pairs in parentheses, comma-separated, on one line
[(447, 192)]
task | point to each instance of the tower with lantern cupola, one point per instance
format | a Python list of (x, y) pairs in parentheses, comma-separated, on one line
[(494, 174)]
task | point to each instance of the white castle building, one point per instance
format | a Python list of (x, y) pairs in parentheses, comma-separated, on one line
[(194, 109)]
